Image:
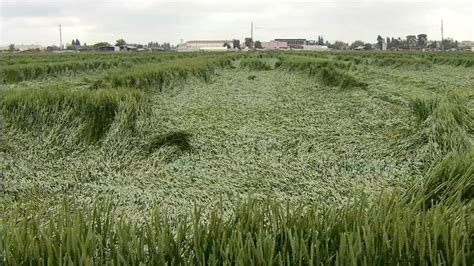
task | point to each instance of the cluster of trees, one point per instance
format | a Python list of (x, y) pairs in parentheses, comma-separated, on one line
[(248, 42), (359, 43), (321, 41), (165, 46), (338, 45), (419, 41), (76, 42), (99, 44), (120, 42), (251, 44), (52, 48), (447, 44), (236, 44), (75, 45)]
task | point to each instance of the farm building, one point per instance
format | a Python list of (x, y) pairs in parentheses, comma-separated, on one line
[(24, 47), (467, 45), (315, 47), (108, 48), (206, 45), (293, 43), (274, 45), (128, 48)]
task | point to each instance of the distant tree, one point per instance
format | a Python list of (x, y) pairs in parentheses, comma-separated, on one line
[(379, 42), (11, 48), (368, 46), (356, 44), (432, 45), (388, 42), (422, 40), (227, 45), (320, 40), (78, 43), (339, 45), (411, 41), (258, 45), (73, 42), (84, 48), (166, 46), (99, 44), (236, 44), (52, 48), (394, 43), (248, 42), (153, 45), (85, 44), (447, 44), (120, 42)]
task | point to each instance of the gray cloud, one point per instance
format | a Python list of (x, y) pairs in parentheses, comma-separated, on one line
[(147, 20)]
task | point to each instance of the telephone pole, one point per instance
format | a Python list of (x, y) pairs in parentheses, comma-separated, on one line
[(251, 32), (442, 35), (60, 38)]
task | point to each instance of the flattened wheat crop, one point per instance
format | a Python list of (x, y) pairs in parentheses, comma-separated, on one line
[(159, 75), (93, 112), (322, 158)]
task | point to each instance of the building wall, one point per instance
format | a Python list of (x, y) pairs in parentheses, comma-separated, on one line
[(293, 43), (315, 47), (274, 45), (199, 44)]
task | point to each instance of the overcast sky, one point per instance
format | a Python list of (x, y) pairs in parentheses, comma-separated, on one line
[(91, 21)]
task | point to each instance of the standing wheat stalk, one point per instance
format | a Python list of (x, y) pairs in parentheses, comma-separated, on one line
[(2, 147)]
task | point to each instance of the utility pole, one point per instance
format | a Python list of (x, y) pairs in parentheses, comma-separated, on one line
[(60, 38), (251, 32), (442, 36)]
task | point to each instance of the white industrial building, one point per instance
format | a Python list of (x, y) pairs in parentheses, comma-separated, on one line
[(206, 45), (23, 47), (315, 47)]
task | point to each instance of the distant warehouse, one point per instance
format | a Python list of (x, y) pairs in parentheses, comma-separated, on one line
[(206, 45), (274, 45), (316, 47), (293, 43), (108, 48)]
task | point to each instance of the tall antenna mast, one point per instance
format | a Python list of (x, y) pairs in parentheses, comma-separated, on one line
[(251, 32), (442, 36), (60, 38)]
